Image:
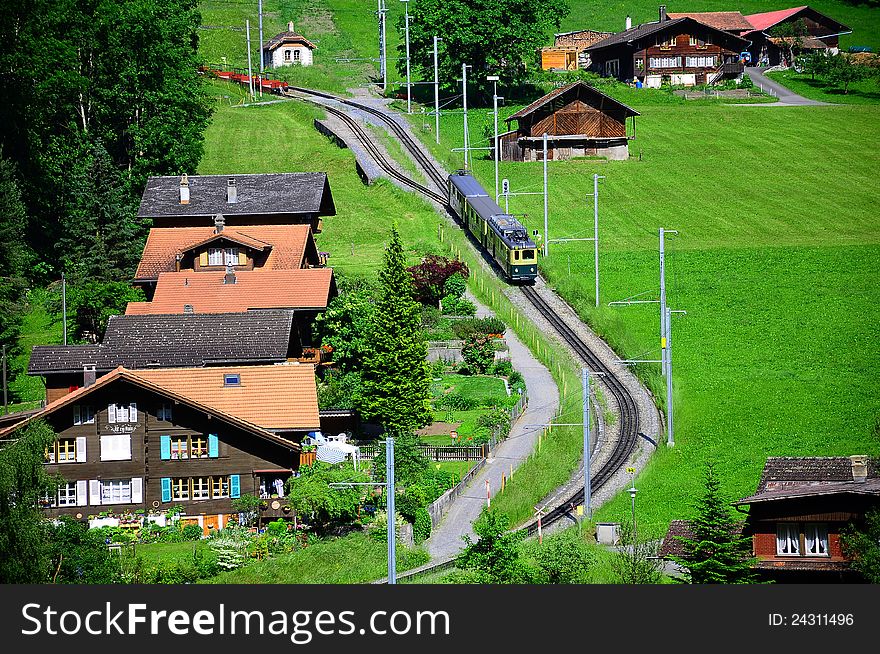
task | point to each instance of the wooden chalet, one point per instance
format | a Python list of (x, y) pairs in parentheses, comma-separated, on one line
[(569, 50), (151, 440), (672, 51), (180, 340), (797, 514), (264, 199), (767, 50), (579, 121), (211, 249)]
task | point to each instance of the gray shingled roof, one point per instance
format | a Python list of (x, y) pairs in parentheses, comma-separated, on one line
[(647, 29), (180, 340), (269, 193)]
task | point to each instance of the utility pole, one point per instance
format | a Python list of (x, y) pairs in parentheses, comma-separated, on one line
[(588, 510), (408, 83), (383, 63), (596, 178), (667, 345), (436, 94), (663, 298), (494, 80), (390, 512), (250, 68), (64, 306), (260, 10), (464, 68), (546, 234)]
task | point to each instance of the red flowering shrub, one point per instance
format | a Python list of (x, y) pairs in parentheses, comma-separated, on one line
[(429, 277)]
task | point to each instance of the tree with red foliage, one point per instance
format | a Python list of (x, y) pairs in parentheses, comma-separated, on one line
[(431, 274)]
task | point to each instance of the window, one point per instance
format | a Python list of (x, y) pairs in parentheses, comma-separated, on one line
[(200, 487), (122, 413), (219, 487), (116, 447), (164, 412), (199, 448), (816, 538), (83, 415), (65, 450), (668, 42), (612, 67), (180, 489), (664, 62), (640, 63), (700, 62), (116, 491), (787, 539), (296, 54), (232, 380), (516, 254), (215, 256), (179, 447), (528, 254), (67, 494), (287, 55), (693, 40)]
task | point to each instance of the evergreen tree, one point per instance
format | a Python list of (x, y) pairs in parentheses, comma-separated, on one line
[(396, 381), (14, 257), (717, 554), (863, 547)]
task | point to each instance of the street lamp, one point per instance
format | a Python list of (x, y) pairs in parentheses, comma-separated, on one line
[(494, 80), (408, 84)]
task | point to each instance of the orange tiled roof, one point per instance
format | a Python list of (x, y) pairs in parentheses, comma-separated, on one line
[(309, 288), (732, 21), (136, 378), (287, 242), (271, 397)]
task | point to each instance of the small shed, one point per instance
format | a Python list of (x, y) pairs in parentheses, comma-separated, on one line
[(579, 120), (287, 48)]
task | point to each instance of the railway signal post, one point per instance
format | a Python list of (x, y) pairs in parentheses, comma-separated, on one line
[(495, 98), (436, 94)]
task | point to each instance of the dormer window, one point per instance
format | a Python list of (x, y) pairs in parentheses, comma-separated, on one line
[(222, 256)]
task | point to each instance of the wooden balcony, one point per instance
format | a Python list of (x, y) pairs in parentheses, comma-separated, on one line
[(316, 356)]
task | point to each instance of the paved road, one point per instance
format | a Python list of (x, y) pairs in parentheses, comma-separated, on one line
[(446, 540), (786, 97)]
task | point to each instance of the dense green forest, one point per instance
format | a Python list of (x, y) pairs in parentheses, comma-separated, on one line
[(98, 96)]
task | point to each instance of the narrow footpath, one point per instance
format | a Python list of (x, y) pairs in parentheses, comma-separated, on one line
[(786, 97), (447, 539)]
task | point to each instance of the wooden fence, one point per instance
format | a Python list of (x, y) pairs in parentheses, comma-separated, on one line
[(438, 452)]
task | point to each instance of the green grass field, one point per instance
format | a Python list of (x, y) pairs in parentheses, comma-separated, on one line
[(863, 92)]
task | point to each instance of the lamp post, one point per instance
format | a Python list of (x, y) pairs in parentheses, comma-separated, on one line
[(494, 80), (408, 84), (436, 94)]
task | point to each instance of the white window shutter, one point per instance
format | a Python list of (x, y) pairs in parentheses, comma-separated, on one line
[(124, 450), (81, 449), (133, 412), (81, 497), (94, 492), (137, 490), (111, 413)]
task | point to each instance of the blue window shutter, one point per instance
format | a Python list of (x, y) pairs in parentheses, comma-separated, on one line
[(166, 489), (165, 448), (234, 486), (213, 446)]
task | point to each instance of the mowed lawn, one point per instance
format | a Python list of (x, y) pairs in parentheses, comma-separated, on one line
[(775, 264), (281, 138)]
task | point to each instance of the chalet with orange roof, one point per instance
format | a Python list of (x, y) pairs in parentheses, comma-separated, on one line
[(822, 34), (155, 439)]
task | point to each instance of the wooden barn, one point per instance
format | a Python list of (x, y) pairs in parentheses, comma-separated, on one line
[(579, 121)]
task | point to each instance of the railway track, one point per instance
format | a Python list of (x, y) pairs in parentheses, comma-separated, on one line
[(629, 413)]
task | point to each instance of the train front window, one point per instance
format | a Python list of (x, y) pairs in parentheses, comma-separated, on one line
[(528, 254), (516, 254)]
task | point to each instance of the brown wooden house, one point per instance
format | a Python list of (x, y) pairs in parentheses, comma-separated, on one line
[(674, 51), (797, 514), (170, 341), (150, 441), (263, 199), (579, 121), (822, 34)]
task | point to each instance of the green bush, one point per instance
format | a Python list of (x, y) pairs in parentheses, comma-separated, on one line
[(457, 306), (479, 353), (430, 316), (454, 401), (191, 532), (497, 421), (503, 368), (455, 286), (516, 378), (421, 525), (463, 329)]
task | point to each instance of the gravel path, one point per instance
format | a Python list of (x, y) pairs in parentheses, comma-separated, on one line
[(786, 97), (446, 540)]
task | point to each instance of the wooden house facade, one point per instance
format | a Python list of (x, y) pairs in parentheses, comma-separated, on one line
[(127, 444), (822, 34), (670, 51), (578, 119)]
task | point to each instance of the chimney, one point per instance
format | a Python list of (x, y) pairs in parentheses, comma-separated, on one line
[(89, 375), (177, 259), (220, 221), (290, 26), (231, 191), (663, 13), (229, 277), (629, 23), (184, 189), (859, 463)]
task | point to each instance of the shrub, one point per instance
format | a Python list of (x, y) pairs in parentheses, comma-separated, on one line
[(430, 276), (516, 378), (503, 368), (191, 532), (430, 316), (466, 328), (455, 285), (454, 401), (497, 421), (478, 352), (421, 525), (457, 306)]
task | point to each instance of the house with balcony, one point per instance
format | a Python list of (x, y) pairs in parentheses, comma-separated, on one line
[(198, 438), (670, 51)]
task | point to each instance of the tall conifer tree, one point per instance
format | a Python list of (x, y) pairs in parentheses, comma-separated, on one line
[(396, 383)]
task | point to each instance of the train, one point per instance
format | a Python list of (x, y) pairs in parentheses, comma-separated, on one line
[(502, 236)]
